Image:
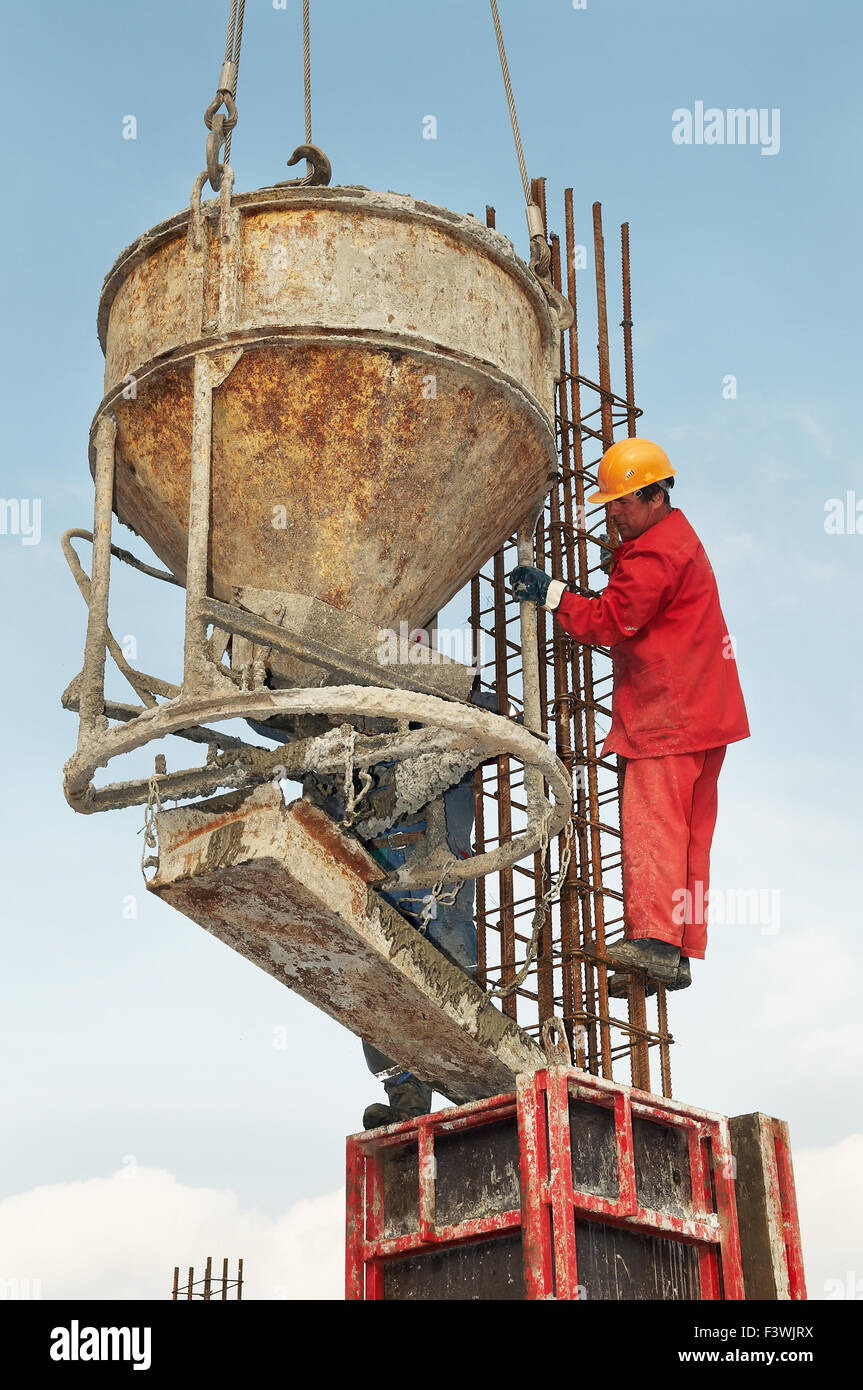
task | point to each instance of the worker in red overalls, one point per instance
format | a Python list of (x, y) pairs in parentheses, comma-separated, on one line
[(677, 704)]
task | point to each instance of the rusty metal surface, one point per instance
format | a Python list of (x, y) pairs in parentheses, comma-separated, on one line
[(341, 258), (397, 358), (288, 890), (332, 474)]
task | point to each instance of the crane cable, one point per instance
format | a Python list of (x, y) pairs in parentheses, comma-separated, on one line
[(318, 168), (307, 71), (219, 123), (233, 44), (540, 251), (511, 101)]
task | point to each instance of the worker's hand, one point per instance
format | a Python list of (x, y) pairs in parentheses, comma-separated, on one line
[(607, 560), (529, 585)]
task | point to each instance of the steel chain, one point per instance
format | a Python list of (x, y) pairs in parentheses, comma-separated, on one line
[(541, 912), (220, 126), (352, 799), (221, 123), (151, 843)]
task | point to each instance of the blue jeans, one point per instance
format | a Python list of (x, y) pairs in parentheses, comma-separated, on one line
[(452, 928)]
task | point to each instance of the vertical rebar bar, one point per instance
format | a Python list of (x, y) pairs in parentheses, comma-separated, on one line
[(639, 1054), (506, 920), (664, 1050), (584, 1029), (534, 672), (626, 325), (595, 976), (479, 796), (602, 328), (566, 719)]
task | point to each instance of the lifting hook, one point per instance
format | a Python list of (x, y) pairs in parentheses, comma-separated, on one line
[(320, 169)]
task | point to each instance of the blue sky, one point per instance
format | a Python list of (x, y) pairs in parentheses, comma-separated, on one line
[(139, 1035)]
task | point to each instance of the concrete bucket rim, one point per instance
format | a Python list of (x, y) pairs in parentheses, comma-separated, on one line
[(350, 197)]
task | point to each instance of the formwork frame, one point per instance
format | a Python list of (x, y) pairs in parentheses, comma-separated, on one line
[(569, 977), (712, 1230), (550, 1199)]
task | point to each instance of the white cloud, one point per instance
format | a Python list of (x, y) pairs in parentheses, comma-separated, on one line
[(120, 1237)]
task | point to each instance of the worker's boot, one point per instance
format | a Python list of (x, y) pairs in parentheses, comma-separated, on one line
[(408, 1099), (684, 975), (617, 983), (658, 959)]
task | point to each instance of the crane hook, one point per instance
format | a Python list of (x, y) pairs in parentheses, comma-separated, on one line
[(320, 171)]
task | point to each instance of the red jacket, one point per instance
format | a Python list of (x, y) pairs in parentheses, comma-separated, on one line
[(675, 677)]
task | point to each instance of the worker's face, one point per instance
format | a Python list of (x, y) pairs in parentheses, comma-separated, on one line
[(633, 516)]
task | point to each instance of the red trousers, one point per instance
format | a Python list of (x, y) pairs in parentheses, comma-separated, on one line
[(669, 812)]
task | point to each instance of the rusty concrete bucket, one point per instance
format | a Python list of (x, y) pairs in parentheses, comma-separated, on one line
[(325, 408), (388, 422)]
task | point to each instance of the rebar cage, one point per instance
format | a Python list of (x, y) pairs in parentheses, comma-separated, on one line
[(569, 977)]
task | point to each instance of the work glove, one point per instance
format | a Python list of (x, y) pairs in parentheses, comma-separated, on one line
[(531, 585), (607, 560)]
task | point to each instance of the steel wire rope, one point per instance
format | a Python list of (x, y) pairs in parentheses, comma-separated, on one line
[(307, 71), (233, 44), (510, 101)]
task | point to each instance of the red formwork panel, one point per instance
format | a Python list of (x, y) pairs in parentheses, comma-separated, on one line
[(711, 1228), (548, 1203), (368, 1247), (786, 1195)]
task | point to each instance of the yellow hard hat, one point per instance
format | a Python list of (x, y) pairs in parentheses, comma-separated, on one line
[(628, 465)]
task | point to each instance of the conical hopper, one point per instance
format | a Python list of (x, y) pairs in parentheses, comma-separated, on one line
[(389, 422)]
